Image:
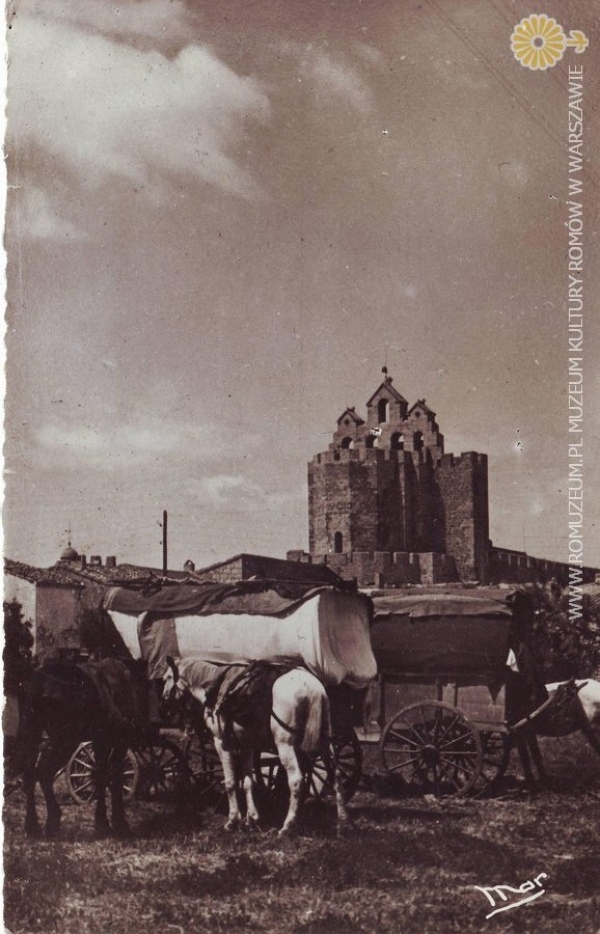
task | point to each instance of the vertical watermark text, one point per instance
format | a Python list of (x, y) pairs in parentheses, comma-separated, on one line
[(575, 324)]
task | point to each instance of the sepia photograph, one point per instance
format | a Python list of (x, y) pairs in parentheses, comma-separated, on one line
[(301, 511)]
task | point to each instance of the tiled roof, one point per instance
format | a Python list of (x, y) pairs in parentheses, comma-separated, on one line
[(72, 575), (56, 575), (122, 573), (138, 572), (264, 567)]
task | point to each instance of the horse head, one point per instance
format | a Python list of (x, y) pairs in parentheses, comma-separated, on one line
[(173, 688)]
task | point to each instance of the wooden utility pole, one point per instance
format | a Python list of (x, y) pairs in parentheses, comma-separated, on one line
[(164, 540)]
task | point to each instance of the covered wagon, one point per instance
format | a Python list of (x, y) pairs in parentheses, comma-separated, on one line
[(325, 629), (442, 663)]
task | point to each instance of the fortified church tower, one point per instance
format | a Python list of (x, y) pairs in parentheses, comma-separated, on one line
[(387, 506)]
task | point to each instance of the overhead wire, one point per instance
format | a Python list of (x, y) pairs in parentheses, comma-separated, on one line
[(512, 92), (553, 72)]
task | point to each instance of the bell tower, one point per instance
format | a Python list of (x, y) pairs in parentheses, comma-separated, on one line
[(384, 487)]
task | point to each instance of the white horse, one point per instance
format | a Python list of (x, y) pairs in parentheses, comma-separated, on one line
[(299, 720), (588, 692)]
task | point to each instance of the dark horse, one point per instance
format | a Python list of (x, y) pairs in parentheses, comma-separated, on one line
[(66, 704)]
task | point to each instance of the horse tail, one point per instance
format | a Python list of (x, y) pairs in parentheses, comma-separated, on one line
[(30, 727), (317, 722)]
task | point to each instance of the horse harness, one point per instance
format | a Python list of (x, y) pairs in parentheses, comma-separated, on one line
[(245, 696)]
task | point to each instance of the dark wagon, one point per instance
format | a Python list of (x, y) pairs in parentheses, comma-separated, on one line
[(442, 662)]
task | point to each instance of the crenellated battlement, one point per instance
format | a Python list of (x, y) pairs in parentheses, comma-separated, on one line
[(386, 487)]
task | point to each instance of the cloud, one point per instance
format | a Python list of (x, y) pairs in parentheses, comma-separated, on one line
[(328, 75), (370, 54), (142, 23), (104, 109), (40, 220), (336, 78), (228, 493), (144, 443)]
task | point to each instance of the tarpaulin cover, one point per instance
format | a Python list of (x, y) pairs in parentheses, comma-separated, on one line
[(327, 631), (421, 605), (440, 634), (254, 598)]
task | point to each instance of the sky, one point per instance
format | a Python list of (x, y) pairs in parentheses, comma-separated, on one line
[(224, 218)]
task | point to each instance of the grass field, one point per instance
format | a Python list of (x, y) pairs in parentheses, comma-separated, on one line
[(407, 866)]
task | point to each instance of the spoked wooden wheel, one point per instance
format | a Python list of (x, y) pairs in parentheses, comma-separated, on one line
[(318, 778), (206, 771), (318, 773), (496, 755), (163, 771), (433, 749), (269, 774), (80, 774)]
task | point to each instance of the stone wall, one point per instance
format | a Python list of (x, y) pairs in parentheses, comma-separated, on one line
[(509, 566), (392, 569), (463, 508), (386, 486)]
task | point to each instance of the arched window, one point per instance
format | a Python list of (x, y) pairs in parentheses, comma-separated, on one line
[(347, 443), (418, 441), (338, 543), (382, 410), (372, 441), (397, 442)]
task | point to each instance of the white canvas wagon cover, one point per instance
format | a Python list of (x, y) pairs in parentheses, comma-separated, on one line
[(324, 628)]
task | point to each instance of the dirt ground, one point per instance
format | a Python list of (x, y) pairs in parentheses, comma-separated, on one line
[(406, 866)]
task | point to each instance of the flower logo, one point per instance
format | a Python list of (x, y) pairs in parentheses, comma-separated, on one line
[(539, 42)]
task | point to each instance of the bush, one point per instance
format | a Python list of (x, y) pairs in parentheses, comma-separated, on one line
[(18, 644), (566, 647)]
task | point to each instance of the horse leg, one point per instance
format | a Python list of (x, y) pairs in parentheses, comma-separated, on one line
[(116, 767), (536, 754), (101, 755), (51, 760), (527, 743), (27, 753), (230, 783), (289, 760), (30, 755), (523, 751), (32, 824), (591, 737), (340, 804), (247, 771)]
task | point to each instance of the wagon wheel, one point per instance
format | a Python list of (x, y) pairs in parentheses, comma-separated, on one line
[(269, 774), (496, 755), (318, 779), (164, 773), (206, 771), (318, 775), (80, 774), (433, 749)]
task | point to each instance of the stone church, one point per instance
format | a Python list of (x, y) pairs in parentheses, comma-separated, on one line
[(388, 506)]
